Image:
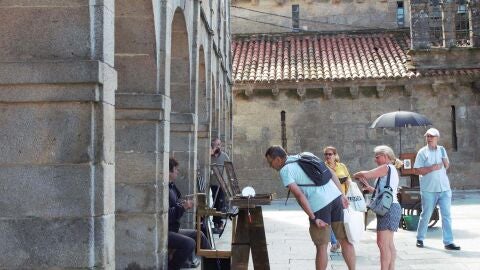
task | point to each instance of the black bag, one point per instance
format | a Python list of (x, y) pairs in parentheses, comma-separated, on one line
[(381, 203), (314, 168)]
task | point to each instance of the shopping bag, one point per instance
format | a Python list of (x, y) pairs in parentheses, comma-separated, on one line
[(355, 197), (354, 225)]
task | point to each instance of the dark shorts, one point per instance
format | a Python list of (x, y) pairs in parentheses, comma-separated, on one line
[(391, 220), (332, 214)]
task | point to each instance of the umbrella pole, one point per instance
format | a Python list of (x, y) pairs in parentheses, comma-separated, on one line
[(400, 141)]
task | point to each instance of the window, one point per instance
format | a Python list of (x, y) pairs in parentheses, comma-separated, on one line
[(283, 120), (400, 14), (296, 18), (454, 129), (435, 23), (462, 27)]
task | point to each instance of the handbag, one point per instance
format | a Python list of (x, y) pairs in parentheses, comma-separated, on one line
[(354, 225), (355, 197), (381, 203)]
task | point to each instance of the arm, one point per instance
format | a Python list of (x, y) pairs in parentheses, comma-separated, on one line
[(446, 163), (303, 202), (429, 169), (175, 210), (372, 174)]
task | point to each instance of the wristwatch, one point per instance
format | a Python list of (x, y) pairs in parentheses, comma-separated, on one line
[(312, 220)]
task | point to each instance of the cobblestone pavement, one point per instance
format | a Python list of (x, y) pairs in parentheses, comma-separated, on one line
[(290, 247)]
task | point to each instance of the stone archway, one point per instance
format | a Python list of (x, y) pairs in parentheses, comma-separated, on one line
[(183, 117)]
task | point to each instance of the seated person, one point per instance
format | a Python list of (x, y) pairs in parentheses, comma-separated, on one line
[(180, 240)]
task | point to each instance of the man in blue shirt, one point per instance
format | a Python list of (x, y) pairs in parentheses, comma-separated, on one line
[(323, 205), (431, 164)]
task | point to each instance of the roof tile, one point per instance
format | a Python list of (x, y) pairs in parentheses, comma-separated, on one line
[(290, 57)]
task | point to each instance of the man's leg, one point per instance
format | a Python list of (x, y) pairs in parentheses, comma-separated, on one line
[(320, 237), (348, 253), (429, 200), (205, 244), (218, 197), (183, 246), (445, 202), (321, 259)]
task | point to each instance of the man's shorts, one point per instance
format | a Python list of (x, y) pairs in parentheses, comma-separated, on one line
[(332, 214)]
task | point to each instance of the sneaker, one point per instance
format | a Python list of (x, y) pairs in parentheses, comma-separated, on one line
[(452, 246), (420, 244)]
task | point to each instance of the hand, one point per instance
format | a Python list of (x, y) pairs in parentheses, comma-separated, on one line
[(364, 182), (187, 204), (436, 166), (320, 223), (345, 201)]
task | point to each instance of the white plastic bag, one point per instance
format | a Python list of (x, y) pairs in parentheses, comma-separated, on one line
[(354, 225), (355, 197)]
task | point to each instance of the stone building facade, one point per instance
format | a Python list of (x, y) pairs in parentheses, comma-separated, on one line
[(329, 87), (95, 96), (273, 16)]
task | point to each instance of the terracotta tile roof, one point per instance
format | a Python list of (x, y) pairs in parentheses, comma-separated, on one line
[(325, 57)]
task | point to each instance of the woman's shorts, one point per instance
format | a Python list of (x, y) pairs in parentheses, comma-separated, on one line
[(391, 220)]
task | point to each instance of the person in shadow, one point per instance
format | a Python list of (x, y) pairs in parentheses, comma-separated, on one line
[(181, 241)]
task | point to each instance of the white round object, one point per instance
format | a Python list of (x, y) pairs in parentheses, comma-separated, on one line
[(248, 192)]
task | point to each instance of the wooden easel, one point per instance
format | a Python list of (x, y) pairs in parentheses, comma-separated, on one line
[(250, 235), (248, 230)]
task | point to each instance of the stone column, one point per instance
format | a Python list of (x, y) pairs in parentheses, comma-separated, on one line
[(419, 24), (475, 22), (183, 147), (57, 171), (142, 132)]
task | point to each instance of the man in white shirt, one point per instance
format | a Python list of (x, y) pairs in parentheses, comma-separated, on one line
[(431, 164)]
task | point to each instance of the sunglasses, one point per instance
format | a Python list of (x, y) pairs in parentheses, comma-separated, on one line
[(328, 154)]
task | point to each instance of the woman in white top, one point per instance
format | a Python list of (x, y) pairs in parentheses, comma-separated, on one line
[(387, 224)]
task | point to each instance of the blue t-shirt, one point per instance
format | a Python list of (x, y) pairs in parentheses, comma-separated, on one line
[(317, 196), (435, 181)]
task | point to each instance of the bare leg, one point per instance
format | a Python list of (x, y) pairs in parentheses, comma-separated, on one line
[(348, 252), (384, 240), (393, 251), (321, 260)]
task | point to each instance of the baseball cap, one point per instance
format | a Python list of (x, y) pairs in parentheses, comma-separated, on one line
[(433, 132)]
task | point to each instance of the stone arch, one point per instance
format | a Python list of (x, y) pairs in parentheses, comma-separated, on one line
[(183, 118), (180, 90), (138, 136)]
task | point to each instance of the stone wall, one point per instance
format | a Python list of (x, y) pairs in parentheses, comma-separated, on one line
[(314, 121), (315, 15), (84, 163), (57, 161)]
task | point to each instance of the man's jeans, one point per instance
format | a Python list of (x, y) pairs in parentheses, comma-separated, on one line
[(429, 201)]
